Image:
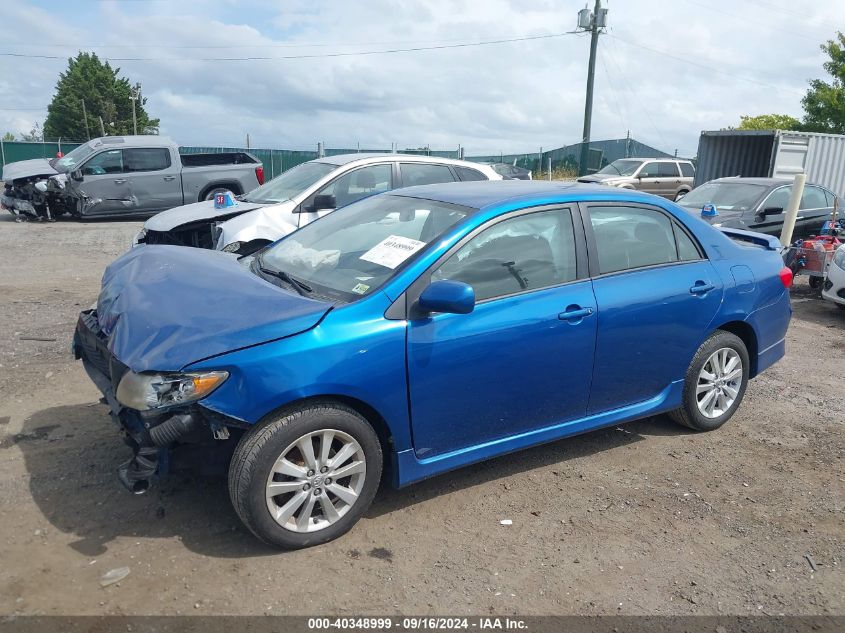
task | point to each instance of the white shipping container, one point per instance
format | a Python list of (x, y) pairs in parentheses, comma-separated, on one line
[(772, 154)]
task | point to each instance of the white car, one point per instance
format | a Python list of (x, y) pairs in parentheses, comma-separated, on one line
[(299, 196), (834, 286)]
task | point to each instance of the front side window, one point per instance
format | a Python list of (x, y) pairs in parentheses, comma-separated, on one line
[(110, 162), (146, 159), (667, 170), (353, 253), (360, 183), (650, 170), (521, 254), (71, 160), (778, 199), (424, 174), (633, 237)]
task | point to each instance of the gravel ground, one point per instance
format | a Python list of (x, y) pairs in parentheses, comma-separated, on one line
[(648, 518)]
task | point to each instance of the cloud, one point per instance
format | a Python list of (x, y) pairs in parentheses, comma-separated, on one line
[(664, 71)]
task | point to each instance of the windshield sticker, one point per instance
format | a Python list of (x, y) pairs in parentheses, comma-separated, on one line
[(392, 251), (360, 289)]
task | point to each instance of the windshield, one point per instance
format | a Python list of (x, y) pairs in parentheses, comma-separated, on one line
[(353, 252), (290, 183), (729, 196), (71, 160), (622, 167)]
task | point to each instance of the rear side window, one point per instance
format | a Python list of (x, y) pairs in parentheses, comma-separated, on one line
[(424, 174), (146, 159), (634, 237), (667, 170), (466, 174), (687, 170)]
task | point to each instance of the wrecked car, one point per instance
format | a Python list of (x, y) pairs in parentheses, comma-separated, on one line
[(426, 329), (123, 176), (299, 196)]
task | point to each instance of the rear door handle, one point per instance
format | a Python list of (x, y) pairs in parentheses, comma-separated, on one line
[(701, 288), (119, 181), (574, 313), (170, 177)]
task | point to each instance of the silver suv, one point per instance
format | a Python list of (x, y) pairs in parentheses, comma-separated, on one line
[(667, 177)]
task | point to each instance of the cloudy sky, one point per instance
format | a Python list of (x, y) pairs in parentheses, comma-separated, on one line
[(666, 70)]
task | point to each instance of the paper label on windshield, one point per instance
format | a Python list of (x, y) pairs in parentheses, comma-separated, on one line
[(392, 251)]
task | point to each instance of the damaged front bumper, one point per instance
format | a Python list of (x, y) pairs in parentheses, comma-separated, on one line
[(151, 434)]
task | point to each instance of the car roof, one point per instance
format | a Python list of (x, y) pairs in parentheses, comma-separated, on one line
[(480, 194), (345, 159), (768, 182), (140, 140), (669, 159)]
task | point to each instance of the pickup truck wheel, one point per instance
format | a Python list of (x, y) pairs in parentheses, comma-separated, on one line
[(306, 477), (209, 195), (715, 383)]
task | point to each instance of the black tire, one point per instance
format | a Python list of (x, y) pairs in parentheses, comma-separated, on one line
[(679, 194), (259, 449), (210, 193), (815, 282), (689, 414)]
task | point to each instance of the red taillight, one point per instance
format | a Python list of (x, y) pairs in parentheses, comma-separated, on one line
[(259, 174), (785, 277)]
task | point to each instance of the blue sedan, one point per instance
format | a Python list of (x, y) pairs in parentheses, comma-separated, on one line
[(426, 329)]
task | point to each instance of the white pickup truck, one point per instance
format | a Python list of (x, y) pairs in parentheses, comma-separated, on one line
[(124, 176)]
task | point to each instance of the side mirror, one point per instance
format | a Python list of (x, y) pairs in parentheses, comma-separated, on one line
[(772, 210), (77, 175), (324, 201), (450, 297)]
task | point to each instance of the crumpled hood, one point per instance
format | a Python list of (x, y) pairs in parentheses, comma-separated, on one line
[(165, 307), (27, 169), (177, 216)]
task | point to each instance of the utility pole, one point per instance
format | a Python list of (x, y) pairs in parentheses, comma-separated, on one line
[(590, 21), (85, 118), (134, 93)]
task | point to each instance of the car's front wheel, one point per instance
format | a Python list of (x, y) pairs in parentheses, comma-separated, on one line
[(715, 382), (307, 476)]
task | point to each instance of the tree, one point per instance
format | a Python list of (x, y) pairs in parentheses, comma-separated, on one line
[(105, 95), (824, 103), (769, 122), (8, 136), (35, 134)]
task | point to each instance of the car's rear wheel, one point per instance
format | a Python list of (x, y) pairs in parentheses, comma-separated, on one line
[(680, 195), (815, 282), (209, 195), (307, 476), (715, 382)]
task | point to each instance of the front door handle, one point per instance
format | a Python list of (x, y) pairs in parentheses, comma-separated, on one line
[(170, 177), (119, 181), (701, 288), (574, 313)]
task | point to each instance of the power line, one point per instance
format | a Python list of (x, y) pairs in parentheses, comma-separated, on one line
[(306, 56), (704, 66), (753, 21)]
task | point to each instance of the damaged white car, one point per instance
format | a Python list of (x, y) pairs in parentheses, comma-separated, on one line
[(123, 176), (299, 196)]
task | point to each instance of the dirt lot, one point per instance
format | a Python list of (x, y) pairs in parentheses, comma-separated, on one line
[(648, 518)]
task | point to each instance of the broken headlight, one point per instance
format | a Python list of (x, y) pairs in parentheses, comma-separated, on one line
[(140, 237), (154, 391)]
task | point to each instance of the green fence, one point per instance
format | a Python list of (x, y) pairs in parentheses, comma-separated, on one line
[(13, 151)]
